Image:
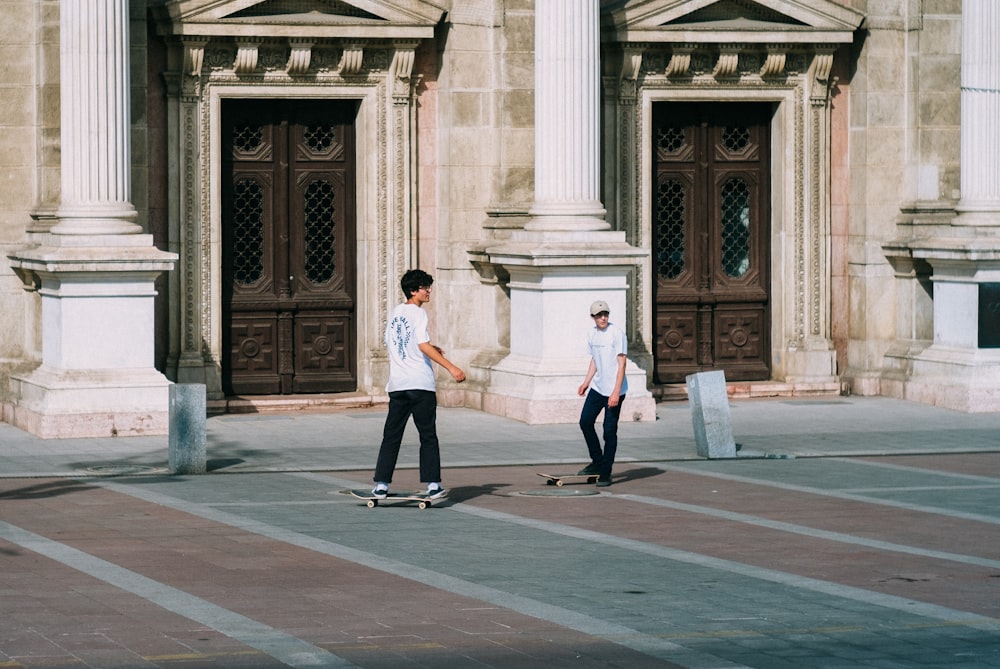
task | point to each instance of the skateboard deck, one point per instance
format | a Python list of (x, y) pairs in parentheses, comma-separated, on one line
[(421, 499), (560, 479)]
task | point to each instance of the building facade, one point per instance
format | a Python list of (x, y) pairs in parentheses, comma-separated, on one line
[(802, 193)]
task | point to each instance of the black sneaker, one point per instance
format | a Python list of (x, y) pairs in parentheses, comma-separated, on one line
[(381, 491), (590, 469), (603, 483), (436, 493)]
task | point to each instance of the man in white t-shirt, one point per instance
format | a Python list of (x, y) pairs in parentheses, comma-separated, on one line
[(411, 387), (605, 387)]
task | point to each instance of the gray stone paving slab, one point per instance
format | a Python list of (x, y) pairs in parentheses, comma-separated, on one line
[(345, 440)]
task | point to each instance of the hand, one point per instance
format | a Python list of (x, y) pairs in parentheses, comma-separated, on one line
[(457, 374), (613, 400), (582, 390)]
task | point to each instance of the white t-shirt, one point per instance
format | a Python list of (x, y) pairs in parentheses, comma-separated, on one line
[(605, 347), (409, 368)]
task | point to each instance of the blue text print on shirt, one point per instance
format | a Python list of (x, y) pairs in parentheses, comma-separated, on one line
[(401, 335)]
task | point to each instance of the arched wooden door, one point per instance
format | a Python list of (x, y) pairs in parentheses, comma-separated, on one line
[(711, 239), (288, 246)]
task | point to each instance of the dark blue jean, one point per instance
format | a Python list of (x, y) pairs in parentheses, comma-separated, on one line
[(422, 405), (592, 406)]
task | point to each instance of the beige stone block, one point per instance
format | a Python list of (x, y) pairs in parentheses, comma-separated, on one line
[(471, 147), (49, 106), (886, 74), (469, 188), (466, 38), (940, 145), (519, 32), (469, 71), (882, 41), (886, 110), (886, 147), (941, 34), (18, 21), (940, 110), (516, 185), (16, 107), (519, 109), (16, 190), (940, 74), (467, 109), (518, 71), (518, 147), (18, 144), (18, 67)]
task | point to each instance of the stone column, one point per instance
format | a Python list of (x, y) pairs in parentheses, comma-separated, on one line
[(980, 130), (94, 89), (566, 256), (567, 117), (95, 270)]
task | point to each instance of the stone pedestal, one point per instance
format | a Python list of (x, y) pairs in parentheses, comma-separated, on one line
[(960, 369), (97, 376), (552, 285)]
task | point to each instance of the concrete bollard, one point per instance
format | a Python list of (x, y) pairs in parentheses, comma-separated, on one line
[(713, 426), (188, 418)]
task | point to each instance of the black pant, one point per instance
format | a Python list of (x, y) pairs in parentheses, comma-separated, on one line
[(422, 405), (592, 407)]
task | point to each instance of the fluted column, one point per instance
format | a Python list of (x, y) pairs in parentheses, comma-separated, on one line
[(94, 84), (980, 132), (567, 117)]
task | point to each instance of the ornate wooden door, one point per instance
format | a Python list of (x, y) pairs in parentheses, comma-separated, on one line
[(711, 240), (288, 246)]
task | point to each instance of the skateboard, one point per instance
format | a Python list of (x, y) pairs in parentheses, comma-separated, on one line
[(422, 500), (560, 479)]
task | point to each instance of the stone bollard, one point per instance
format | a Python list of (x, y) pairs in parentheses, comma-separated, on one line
[(713, 427), (186, 454)]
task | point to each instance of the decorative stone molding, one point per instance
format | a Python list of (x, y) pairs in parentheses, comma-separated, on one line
[(400, 71), (351, 59), (726, 65), (680, 61), (194, 56), (774, 63), (299, 56), (246, 57)]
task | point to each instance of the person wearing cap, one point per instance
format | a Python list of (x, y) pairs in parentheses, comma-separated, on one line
[(605, 387)]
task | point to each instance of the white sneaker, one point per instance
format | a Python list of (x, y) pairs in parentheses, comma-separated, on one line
[(436, 492), (381, 491)]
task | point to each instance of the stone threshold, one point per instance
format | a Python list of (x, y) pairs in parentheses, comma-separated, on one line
[(677, 392), (293, 403)]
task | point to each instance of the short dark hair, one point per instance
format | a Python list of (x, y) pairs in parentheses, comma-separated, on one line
[(414, 280)]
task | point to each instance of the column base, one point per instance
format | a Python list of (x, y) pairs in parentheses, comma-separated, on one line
[(959, 379), (66, 404), (540, 392)]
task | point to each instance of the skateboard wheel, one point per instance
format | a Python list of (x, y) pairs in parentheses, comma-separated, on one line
[(559, 483), (423, 505), (592, 479), (550, 482), (372, 503)]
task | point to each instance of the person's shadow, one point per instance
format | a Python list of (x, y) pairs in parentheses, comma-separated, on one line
[(636, 474), (465, 493)]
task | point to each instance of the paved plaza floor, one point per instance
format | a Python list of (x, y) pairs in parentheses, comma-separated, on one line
[(851, 532)]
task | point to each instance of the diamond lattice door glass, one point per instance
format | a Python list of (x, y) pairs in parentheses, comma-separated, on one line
[(288, 247), (711, 240)]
